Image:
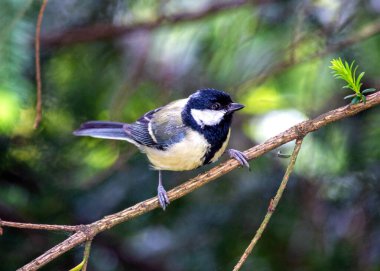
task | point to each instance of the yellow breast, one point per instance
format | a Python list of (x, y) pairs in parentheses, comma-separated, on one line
[(186, 155)]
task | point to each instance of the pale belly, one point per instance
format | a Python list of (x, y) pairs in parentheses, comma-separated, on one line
[(186, 155)]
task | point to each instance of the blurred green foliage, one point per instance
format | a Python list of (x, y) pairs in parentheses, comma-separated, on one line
[(262, 53)]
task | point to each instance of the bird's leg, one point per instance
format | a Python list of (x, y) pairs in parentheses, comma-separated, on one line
[(161, 193), (239, 156)]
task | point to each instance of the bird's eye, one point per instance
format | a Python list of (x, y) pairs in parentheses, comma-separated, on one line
[(216, 106)]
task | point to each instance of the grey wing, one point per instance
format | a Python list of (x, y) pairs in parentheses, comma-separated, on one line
[(159, 128), (167, 128), (139, 130)]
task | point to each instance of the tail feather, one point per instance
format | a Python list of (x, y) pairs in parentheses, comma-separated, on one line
[(103, 129), (101, 124)]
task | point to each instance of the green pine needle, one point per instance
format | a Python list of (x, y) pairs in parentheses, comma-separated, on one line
[(347, 73)]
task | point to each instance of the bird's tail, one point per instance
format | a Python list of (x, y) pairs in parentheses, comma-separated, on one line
[(103, 129)]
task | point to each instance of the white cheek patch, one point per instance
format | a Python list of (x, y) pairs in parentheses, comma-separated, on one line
[(207, 117)]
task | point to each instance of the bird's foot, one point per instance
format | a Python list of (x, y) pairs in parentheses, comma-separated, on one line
[(162, 197), (239, 156)]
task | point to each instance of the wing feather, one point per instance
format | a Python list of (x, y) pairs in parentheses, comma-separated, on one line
[(159, 128)]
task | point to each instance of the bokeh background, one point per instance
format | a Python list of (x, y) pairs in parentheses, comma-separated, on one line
[(115, 60)]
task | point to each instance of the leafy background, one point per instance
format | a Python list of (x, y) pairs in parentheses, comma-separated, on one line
[(260, 52)]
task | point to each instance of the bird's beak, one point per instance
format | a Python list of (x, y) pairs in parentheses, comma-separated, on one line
[(232, 107)]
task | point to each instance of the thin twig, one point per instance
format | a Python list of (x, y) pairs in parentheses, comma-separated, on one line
[(86, 254), (82, 266), (87, 232), (32, 226), (272, 206), (38, 118)]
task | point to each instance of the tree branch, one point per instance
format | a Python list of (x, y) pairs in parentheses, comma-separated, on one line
[(107, 31), (272, 206), (32, 226), (88, 232)]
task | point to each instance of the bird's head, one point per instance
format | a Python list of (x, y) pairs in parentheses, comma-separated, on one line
[(211, 107)]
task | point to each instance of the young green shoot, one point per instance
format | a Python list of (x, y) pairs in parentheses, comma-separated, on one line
[(347, 73)]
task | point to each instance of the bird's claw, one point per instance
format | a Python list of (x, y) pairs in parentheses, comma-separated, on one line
[(239, 156), (162, 197)]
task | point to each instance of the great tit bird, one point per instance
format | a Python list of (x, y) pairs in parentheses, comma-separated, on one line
[(182, 135)]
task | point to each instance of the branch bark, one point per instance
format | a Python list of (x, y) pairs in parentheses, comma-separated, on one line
[(88, 232), (33, 226)]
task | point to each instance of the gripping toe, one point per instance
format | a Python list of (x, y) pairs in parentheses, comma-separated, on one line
[(162, 197), (239, 156)]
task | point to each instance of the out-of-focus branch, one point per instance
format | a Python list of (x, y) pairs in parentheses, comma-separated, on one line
[(38, 118), (87, 232), (366, 32), (272, 206), (107, 31), (6, 29)]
